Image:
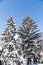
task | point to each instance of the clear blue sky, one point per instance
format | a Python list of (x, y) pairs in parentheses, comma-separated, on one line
[(20, 9)]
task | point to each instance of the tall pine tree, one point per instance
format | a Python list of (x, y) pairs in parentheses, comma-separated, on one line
[(30, 37), (9, 50)]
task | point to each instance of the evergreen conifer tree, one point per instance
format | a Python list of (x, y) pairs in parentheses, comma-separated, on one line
[(30, 37), (9, 49)]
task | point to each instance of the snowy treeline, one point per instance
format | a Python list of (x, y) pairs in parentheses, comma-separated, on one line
[(22, 46)]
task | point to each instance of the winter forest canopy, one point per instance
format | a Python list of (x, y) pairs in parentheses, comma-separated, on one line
[(22, 45)]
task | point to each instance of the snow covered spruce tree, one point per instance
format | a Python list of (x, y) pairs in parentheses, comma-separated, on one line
[(30, 40), (9, 48), (10, 31)]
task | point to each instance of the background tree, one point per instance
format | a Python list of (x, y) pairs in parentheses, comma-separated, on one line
[(9, 49), (30, 37)]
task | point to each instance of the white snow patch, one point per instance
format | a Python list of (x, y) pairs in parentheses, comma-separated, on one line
[(41, 53), (11, 43), (16, 36), (0, 48)]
